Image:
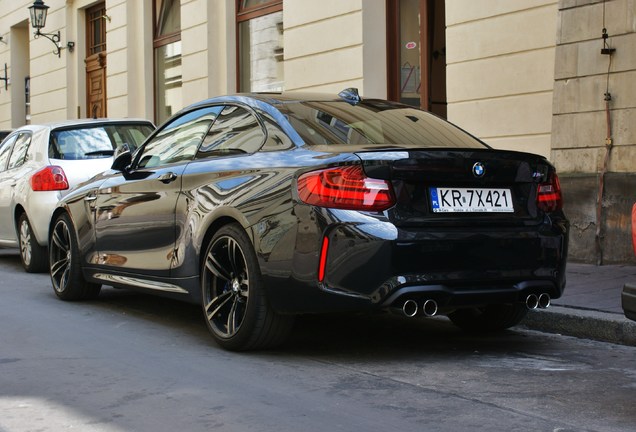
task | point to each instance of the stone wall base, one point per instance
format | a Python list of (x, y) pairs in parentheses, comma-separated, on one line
[(580, 193)]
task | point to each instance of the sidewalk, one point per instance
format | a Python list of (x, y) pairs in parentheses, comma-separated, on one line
[(590, 306)]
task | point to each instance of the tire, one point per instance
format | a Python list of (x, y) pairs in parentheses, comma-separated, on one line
[(65, 269), (236, 310), (32, 255), (491, 318)]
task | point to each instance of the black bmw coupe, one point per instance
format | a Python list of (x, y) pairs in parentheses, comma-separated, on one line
[(265, 206)]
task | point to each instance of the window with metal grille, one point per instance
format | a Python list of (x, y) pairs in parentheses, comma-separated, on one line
[(95, 29)]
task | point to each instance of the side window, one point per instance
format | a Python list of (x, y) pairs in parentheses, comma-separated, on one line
[(5, 151), (235, 131), (18, 155), (276, 139), (179, 140)]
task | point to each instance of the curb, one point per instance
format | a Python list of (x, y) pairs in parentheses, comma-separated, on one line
[(582, 323)]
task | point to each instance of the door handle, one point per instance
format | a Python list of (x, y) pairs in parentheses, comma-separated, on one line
[(167, 177)]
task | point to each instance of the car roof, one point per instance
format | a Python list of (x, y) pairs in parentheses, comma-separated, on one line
[(81, 122), (269, 102), (286, 97), (272, 98)]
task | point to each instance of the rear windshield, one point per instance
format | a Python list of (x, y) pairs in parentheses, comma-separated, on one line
[(96, 141), (373, 122)]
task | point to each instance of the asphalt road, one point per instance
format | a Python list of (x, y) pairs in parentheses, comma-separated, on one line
[(130, 362)]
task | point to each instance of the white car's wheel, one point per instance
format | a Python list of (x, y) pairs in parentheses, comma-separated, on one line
[(32, 255)]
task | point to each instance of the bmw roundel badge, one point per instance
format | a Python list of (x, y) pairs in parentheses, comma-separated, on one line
[(479, 169)]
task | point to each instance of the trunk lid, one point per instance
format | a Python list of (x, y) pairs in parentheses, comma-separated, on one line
[(440, 186)]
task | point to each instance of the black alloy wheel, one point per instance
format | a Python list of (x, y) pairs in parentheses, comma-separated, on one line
[(490, 318), (66, 275), (32, 255), (237, 313)]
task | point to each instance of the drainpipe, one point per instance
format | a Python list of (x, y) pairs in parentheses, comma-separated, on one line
[(601, 181), (606, 50)]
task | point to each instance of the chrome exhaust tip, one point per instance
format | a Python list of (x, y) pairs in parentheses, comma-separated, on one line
[(532, 301), (409, 308), (429, 308), (544, 301)]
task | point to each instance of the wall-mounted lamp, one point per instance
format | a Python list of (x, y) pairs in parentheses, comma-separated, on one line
[(3, 41), (38, 11)]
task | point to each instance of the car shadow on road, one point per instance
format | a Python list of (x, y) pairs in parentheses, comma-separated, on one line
[(384, 335), (372, 336)]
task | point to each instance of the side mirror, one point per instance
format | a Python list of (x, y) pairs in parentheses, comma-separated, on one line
[(122, 161)]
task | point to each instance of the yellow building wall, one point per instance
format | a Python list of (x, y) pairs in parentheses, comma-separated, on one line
[(500, 70)]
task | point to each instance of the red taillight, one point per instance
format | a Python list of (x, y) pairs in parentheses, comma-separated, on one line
[(345, 188), (549, 197), (49, 178)]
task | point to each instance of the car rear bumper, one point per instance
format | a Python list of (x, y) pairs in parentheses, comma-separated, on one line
[(372, 264), (628, 300)]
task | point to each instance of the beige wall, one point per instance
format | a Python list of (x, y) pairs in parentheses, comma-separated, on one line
[(128, 49), (500, 70), (208, 34), (334, 44), (49, 79)]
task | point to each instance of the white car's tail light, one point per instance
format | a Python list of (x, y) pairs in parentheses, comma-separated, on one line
[(49, 178)]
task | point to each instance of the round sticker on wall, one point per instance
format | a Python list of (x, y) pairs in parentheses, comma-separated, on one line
[(411, 45)]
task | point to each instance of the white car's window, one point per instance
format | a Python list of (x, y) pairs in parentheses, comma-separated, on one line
[(18, 155), (96, 141), (5, 151)]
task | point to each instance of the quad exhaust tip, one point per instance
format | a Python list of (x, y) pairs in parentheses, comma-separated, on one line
[(411, 308)]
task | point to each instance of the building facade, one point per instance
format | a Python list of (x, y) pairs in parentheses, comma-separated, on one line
[(524, 75)]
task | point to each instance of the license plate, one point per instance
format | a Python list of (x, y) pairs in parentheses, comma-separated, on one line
[(471, 200)]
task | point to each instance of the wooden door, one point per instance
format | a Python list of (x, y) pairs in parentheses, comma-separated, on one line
[(96, 61), (96, 85)]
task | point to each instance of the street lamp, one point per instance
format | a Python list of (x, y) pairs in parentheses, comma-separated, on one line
[(38, 11)]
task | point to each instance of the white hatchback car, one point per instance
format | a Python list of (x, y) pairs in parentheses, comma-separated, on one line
[(38, 166)]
